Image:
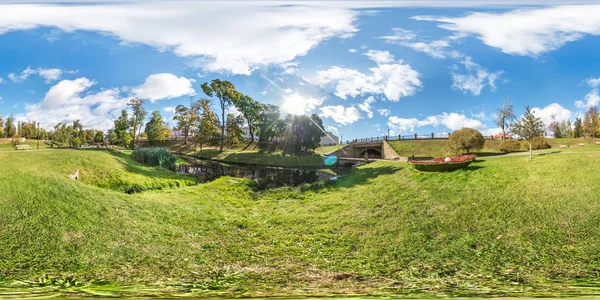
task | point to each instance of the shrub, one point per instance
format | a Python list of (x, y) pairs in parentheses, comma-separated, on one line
[(508, 146), (466, 139), (540, 143), (160, 157)]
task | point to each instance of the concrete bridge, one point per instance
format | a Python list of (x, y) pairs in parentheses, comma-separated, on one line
[(359, 152)]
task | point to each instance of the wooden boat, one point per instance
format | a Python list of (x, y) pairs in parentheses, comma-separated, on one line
[(443, 164)]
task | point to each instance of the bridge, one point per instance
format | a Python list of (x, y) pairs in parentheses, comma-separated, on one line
[(359, 152)]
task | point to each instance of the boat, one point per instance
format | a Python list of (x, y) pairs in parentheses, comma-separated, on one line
[(443, 164)]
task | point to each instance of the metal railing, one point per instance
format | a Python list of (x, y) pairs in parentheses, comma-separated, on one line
[(412, 137)]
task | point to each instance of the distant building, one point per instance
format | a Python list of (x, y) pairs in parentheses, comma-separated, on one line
[(178, 134), (499, 137), (329, 140)]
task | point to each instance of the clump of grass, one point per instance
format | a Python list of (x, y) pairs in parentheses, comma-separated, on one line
[(160, 157)]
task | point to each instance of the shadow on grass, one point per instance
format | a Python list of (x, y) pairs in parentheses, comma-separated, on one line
[(354, 178), (257, 158)]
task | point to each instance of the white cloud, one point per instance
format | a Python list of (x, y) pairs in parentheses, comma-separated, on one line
[(340, 114), (332, 129), (351, 50), (436, 48), (591, 99), (380, 57), (366, 106), (208, 32), (452, 121), (384, 112), (296, 104), (164, 86), (393, 79), (554, 109), (169, 109), (48, 75), (1, 80), (475, 78), (526, 31), (593, 82), (65, 102)]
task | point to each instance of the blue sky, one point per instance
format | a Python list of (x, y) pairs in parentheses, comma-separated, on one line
[(364, 66)]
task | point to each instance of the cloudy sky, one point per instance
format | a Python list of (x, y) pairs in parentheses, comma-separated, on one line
[(364, 66)]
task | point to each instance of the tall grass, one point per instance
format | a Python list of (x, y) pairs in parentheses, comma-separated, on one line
[(160, 157)]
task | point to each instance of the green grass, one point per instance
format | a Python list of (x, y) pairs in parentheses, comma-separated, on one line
[(328, 149), (504, 226), (5, 145)]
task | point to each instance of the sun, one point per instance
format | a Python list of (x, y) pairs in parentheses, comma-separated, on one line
[(294, 104)]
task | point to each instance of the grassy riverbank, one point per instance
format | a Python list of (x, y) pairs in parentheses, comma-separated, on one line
[(506, 225)]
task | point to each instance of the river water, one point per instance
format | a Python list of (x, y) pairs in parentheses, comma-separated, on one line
[(266, 177)]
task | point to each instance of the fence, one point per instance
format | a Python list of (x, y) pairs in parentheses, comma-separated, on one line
[(412, 137)]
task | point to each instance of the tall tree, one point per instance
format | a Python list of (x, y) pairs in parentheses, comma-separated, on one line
[(156, 128), (235, 133), (302, 133), (529, 128), (591, 123), (227, 94), (250, 109), (208, 125), (10, 129), (505, 116), (1, 126), (269, 126), (555, 127), (122, 126), (578, 128), (186, 119), (137, 117)]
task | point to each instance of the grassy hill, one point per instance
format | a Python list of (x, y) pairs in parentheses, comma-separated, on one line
[(506, 225)]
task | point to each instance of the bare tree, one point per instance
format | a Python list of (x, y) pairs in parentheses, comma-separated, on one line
[(505, 116)]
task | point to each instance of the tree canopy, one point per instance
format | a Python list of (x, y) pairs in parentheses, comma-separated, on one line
[(466, 139)]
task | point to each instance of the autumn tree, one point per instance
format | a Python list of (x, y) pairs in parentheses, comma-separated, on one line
[(504, 116), (529, 128), (591, 123), (137, 117), (227, 94), (466, 139)]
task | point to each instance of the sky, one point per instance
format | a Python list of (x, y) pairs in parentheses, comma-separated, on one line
[(366, 67)]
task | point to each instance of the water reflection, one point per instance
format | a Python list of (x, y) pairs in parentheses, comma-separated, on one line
[(266, 177)]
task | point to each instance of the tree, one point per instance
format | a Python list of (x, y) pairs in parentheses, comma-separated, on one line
[(113, 137), (208, 125), (591, 123), (186, 119), (555, 127), (466, 139), (137, 117), (122, 127), (156, 128), (227, 94), (9, 127), (578, 128), (302, 133), (251, 110), (235, 133), (99, 137), (269, 126), (1, 126), (505, 116), (568, 129), (529, 128)]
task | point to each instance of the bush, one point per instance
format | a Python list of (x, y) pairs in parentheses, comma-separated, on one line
[(508, 146), (540, 143), (466, 139), (160, 157)]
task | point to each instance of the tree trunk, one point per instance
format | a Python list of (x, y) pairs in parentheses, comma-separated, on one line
[(503, 133), (222, 128), (530, 151)]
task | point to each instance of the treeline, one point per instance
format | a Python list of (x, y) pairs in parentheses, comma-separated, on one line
[(588, 127), (198, 124)]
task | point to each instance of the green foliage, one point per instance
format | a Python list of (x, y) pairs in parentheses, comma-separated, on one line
[(208, 127), (187, 120), (508, 146), (227, 94), (126, 140), (122, 127), (591, 123), (578, 130), (9, 127), (156, 129), (270, 126), (99, 137), (529, 128), (539, 143), (160, 157), (137, 117), (235, 134), (302, 133), (251, 111), (466, 139)]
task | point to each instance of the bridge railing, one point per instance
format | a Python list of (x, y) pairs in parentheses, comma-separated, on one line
[(416, 136)]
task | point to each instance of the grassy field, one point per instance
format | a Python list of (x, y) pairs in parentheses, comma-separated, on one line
[(504, 226), (5, 144)]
